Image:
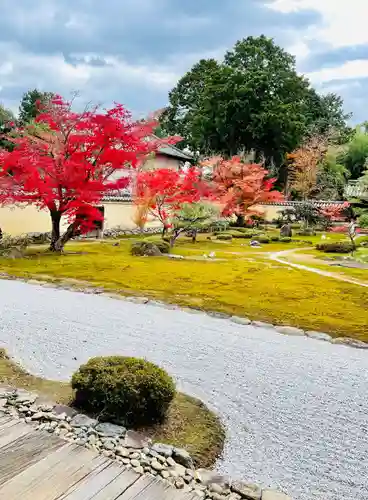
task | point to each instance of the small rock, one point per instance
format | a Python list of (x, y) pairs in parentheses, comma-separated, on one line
[(92, 439), (207, 477), (81, 441), (262, 324), (125, 461), (188, 479), (216, 488), (217, 496), (139, 469), (110, 430), (134, 455), (25, 397), (28, 420), (38, 416), (318, 336), (170, 462), (274, 495), (240, 321), (135, 440), (81, 420), (146, 450), (156, 465), (161, 459), (109, 445), (179, 483), (233, 496), (163, 449), (60, 409), (123, 452), (165, 474), (53, 425), (358, 344), (216, 314), (135, 463), (107, 453), (246, 490), (290, 330), (174, 473), (182, 457)]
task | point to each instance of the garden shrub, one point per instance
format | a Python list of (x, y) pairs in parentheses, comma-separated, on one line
[(275, 238), (285, 239), (363, 221), (336, 247), (125, 390), (13, 246), (163, 246), (145, 248), (224, 236), (306, 232), (262, 239)]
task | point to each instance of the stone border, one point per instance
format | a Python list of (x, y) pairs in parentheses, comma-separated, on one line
[(84, 287), (130, 449)]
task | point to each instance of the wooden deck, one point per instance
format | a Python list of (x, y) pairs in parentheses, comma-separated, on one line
[(36, 465)]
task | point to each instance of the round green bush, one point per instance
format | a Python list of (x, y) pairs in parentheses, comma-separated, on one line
[(224, 237), (285, 239), (130, 391), (275, 238), (163, 246), (336, 247), (262, 238), (143, 248)]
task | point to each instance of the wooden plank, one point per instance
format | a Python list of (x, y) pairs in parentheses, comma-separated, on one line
[(101, 483), (117, 486), (150, 488), (14, 432), (23, 452), (49, 478)]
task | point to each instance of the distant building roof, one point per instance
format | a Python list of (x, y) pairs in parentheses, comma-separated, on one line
[(175, 152)]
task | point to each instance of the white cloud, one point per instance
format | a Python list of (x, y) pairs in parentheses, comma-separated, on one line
[(351, 70), (343, 23)]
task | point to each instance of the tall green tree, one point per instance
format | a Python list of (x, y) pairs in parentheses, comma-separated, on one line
[(253, 100), (31, 103), (356, 153), (7, 121)]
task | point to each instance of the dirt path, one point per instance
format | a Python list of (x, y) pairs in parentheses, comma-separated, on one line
[(277, 257)]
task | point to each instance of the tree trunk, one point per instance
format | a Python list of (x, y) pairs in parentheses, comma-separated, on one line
[(69, 233), (240, 220), (174, 237), (194, 236), (55, 233)]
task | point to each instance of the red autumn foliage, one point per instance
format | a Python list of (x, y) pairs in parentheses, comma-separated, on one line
[(69, 160), (163, 191), (238, 186), (334, 212)]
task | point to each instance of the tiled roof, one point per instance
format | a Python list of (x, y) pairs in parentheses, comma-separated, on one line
[(119, 195), (316, 203)]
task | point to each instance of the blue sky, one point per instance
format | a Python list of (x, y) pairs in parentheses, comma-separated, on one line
[(134, 51)]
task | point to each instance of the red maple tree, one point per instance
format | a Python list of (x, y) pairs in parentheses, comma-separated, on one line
[(67, 161), (239, 186), (165, 190)]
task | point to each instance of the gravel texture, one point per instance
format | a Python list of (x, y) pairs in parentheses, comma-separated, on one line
[(295, 407)]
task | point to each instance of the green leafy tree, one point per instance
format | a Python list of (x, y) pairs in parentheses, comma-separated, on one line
[(191, 218), (254, 100), (7, 121), (331, 178), (31, 104), (356, 154)]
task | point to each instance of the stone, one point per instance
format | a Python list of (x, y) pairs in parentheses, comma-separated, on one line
[(165, 474), (134, 455), (182, 457), (135, 463), (358, 344), (233, 496), (216, 488), (174, 473), (163, 449), (171, 462), (318, 335), (207, 477), (125, 461), (247, 490), (262, 324), (217, 496), (107, 453), (156, 465), (81, 420), (179, 483), (110, 430), (274, 495), (38, 416), (286, 231), (122, 452), (161, 459), (81, 441), (135, 440), (290, 330), (139, 469), (109, 445), (25, 397), (92, 439), (216, 314), (60, 409), (188, 479), (240, 321)]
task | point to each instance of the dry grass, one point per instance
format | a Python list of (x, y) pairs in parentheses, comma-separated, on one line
[(190, 424)]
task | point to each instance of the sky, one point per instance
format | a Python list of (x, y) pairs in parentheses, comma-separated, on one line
[(134, 51)]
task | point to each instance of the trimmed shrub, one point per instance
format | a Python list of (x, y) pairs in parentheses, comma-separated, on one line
[(163, 246), (336, 247), (275, 238), (363, 221), (262, 239), (285, 239), (306, 232), (145, 248), (224, 237), (124, 390)]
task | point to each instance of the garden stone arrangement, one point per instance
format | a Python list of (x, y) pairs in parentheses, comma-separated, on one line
[(129, 448)]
